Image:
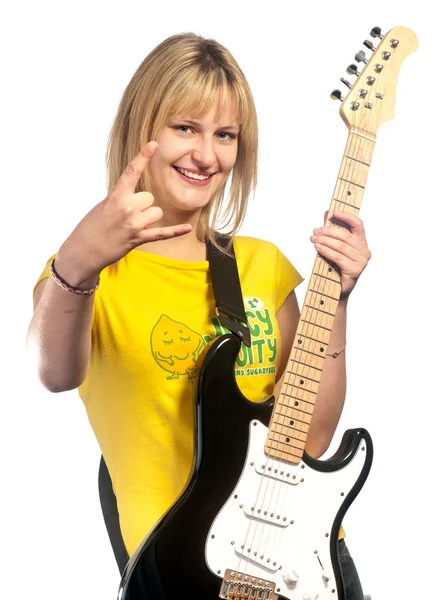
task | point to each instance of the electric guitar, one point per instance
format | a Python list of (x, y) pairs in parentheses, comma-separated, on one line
[(259, 518)]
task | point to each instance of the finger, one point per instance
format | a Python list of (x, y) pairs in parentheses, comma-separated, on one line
[(347, 266), (338, 247), (126, 184), (341, 234), (164, 233), (355, 223)]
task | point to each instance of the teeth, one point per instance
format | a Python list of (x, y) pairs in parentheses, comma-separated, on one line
[(193, 175)]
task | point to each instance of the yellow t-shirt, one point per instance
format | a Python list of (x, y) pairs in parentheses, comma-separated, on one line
[(153, 321)]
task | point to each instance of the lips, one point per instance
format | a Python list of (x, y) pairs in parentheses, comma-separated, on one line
[(192, 171)]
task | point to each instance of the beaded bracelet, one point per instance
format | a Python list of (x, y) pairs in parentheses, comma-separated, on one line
[(68, 287), (335, 354)]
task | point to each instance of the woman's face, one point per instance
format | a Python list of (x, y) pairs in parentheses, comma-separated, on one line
[(203, 147)]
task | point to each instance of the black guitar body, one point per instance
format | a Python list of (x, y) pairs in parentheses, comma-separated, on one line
[(170, 563)]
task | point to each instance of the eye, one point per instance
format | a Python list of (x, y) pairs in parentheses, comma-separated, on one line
[(168, 342), (182, 126), (231, 136), (185, 339)]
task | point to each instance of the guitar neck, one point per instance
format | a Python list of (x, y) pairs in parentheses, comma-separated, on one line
[(292, 413)]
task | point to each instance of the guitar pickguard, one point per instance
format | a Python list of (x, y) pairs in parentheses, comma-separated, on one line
[(276, 525)]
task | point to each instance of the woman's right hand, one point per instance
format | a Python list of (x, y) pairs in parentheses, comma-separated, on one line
[(115, 226)]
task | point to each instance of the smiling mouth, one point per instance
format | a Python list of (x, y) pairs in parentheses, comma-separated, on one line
[(193, 176)]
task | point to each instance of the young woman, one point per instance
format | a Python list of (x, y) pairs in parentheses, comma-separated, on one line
[(124, 311)]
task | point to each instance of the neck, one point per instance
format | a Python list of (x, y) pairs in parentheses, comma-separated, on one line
[(185, 247)]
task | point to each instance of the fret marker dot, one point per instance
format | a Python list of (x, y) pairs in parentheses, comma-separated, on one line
[(322, 301), (349, 193), (291, 422), (330, 269), (302, 381), (322, 349), (296, 403), (288, 440)]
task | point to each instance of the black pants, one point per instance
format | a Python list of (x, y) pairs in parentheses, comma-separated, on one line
[(351, 580)]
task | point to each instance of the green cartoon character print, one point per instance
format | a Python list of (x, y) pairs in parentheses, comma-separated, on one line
[(176, 347)]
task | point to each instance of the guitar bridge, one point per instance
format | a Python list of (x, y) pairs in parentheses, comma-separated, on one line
[(237, 586)]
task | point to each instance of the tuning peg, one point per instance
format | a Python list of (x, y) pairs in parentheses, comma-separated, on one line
[(369, 45), (376, 32), (343, 80), (352, 70), (336, 95), (361, 57)]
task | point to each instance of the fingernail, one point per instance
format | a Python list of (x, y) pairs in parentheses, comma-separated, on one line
[(153, 145)]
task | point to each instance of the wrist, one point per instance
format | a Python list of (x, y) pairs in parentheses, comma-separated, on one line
[(74, 270)]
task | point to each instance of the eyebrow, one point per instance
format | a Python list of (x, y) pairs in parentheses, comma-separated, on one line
[(198, 123)]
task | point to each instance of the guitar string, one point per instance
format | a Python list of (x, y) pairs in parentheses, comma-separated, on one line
[(280, 531)]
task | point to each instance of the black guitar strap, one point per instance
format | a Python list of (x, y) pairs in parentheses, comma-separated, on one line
[(227, 291)]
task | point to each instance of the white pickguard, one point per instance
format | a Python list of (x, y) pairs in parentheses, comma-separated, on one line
[(276, 525)]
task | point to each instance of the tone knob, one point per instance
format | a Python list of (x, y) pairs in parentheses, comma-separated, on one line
[(290, 576)]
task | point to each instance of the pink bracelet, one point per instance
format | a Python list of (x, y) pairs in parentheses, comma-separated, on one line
[(68, 287)]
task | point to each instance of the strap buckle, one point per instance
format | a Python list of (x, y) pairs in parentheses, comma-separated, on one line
[(237, 326)]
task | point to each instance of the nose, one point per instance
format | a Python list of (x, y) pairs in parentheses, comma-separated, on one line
[(203, 151)]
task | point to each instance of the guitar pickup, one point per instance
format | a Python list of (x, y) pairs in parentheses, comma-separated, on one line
[(239, 586)]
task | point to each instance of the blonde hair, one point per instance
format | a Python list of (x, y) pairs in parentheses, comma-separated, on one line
[(183, 74)]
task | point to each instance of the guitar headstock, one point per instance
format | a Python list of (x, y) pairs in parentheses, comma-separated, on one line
[(371, 99)]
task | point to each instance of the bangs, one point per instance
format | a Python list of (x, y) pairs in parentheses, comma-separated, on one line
[(196, 94)]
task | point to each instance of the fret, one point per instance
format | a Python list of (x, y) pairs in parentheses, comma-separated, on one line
[(326, 277), (346, 203), (315, 343), (348, 193), (312, 375), (320, 302), (349, 181), (287, 446), (354, 171), (318, 284), (293, 417), (322, 293), (286, 432), (290, 424), (360, 161), (298, 401), (294, 405), (317, 325), (317, 308), (305, 412), (275, 452)]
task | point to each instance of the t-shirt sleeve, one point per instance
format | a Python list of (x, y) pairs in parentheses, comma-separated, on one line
[(287, 278), (45, 273)]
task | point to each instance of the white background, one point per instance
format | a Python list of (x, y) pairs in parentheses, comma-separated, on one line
[(64, 69)]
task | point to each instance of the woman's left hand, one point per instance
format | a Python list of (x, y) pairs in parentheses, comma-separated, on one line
[(347, 248)]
